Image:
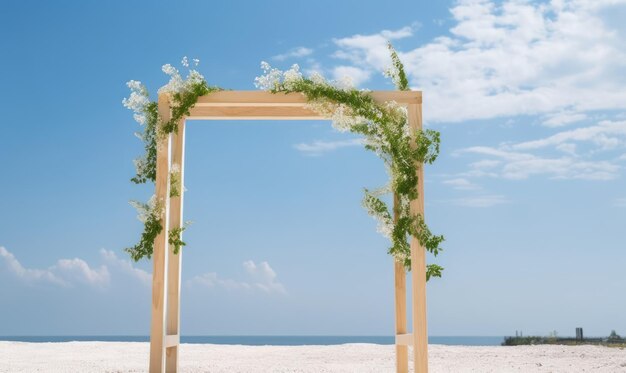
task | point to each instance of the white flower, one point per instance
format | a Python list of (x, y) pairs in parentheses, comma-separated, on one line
[(270, 80), (140, 118), (317, 78), (194, 77), (134, 85), (346, 83), (385, 227), (148, 210), (343, 119), (176, 83), (292, 76), (175, 168), (140, 165), (137, 101), (169, 69), (394, 74), (196, 62)]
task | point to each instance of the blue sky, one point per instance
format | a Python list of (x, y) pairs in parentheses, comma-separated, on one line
[(529, 190)]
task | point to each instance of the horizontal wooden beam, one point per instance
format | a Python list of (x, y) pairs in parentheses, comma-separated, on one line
[(253, 112), (263, 98), (404, 339), (172, 340)]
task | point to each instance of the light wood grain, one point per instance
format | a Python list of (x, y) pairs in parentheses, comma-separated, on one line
[(253, 113), (172, 341), (404, 340), (175, 260), (259, 105), (262, 98), (402, 351), (159, 257), (418, 264)]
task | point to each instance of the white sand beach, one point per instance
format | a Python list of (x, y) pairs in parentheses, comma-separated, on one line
[(112, 357)]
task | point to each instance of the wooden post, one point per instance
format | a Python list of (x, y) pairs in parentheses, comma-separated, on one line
[(418, 263), (159, 256), (402, 350), (165, 323), (175, 260)]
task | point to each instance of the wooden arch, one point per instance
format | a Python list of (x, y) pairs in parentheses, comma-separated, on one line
[(257, 105)]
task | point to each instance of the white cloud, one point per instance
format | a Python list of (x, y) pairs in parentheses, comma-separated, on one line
[(126, 267), (461, 184), (582, 153), (262, 277), (298, 52), (370, 51), (77, 271), (605, 135), (563, 118), (72, 272), (320, 147), (354, 75), (367, 53), (265, 277), (517, 165), (485, 164), (559, 59), (13, 266), (481, 201)]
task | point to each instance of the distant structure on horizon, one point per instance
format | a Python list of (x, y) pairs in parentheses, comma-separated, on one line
[(613, 339)]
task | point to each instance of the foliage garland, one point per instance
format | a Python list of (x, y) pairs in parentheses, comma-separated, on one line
[(388, 134), (184, 94), (384, 126)]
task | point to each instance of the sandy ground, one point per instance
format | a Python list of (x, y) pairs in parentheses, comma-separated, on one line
[(88, 357)]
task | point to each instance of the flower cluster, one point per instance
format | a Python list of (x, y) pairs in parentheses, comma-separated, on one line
[(150, 214), (184, 93), (137, 101), (176, 83), (384, 126), (388, 134)]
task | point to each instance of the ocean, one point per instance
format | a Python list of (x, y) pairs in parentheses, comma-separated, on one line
[(268, 340)]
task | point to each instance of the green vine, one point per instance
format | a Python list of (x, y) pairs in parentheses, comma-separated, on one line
[(150, 214), (175, 181), (384, 126), (174, 238), (388, 134), (184, 94)]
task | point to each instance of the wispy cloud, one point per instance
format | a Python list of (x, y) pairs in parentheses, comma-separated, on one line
[(317, 147), (370, 51), (481, 201), (520, 165), (605, 135), (355, 75), (264, 277), (14, 267), (592, 153), (559, 59), (461, 184), (563, 118), (126, 266), (298, 52), (66, 272), (73, 272), (261, 277)]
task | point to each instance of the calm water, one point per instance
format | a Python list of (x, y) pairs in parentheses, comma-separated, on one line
[(268, 340)]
